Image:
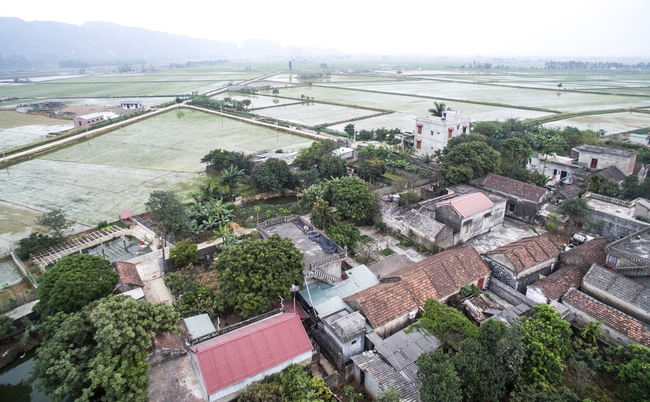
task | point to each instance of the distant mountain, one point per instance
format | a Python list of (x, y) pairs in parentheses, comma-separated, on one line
[(46, 44)]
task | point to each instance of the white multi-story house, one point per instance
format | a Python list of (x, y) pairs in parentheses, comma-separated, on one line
[(432, 133)]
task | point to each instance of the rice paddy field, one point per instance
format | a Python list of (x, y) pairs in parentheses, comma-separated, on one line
[(97, 179)]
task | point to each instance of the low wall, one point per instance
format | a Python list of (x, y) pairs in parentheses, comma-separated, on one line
[(509, 294)]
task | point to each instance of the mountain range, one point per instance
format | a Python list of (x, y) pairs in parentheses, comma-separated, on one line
[(44, 44)]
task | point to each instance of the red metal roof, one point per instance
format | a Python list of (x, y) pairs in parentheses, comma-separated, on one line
[(243, 353), (470, 204)]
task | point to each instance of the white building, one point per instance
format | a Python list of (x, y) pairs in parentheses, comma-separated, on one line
[(432, 133), (88, 119)]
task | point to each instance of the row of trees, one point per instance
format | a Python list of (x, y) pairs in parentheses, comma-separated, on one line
[(538, 360)]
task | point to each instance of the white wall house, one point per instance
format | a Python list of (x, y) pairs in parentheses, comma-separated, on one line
[(432, 133)]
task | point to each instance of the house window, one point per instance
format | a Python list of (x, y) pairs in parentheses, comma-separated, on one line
[(451, 132), (594, 163), (465, 129), (511, 207), (611, 262), (353, 342), (418, 144), (431, 132), (419, 128)]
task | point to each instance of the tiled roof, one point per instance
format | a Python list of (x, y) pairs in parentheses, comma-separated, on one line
[(619, 286), (469, 204), (611, 317), (423, 223), (570, 191), (128, 273), (593, 251), (557, 283), (611, 173), (528, 252), (513, 187), (436, 277), (245, 352)]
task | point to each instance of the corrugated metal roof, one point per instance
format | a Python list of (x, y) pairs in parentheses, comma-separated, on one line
[(359, 278), (199, 325), (331, 305), (243, 353), (469, 204)]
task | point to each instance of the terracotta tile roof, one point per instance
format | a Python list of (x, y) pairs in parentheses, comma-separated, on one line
[(128, 273), (528, 252), (469, 204), (557, 283), (436, 277), (245, 352), (611, 317), (593, 251), (517, 188)]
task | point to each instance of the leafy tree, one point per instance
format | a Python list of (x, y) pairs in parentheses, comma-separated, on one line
[(447, 324), (309, 158), (630, 364), (344, 234), (73, 282), (34, 243), (478, 156), (322, 216), (438, 108), (547, 338), (575, 208), (99, 352), (272, 175), (210, 215), (515, 153), (538, 179), (262, 392), (462, 139), (592, 333), (275, 91), (6, 326), (229, 181), (55, 220), (253, 275), (184, 254), (246, 102), (307, 178), (349, 129), (543, 393), (440, 383), (409, 197), (366, 135), (390, 395), (311, 194), (168, 211), (631, 187), (219, 159), (331, 166), (457, 174), (372, 169), (351, 197)]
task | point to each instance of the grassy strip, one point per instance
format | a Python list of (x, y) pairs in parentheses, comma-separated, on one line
[(563, 116), (336, 104), (355, 119)]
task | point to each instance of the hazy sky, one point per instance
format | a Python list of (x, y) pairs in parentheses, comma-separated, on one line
[(603, 28)]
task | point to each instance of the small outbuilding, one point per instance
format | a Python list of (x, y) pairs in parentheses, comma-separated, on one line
[(524, 200), (131, 105), (88, 119), (130, 282)]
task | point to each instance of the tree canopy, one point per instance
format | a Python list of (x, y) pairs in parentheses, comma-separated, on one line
[(331, 166), (440, 383), (252, 276), (73, 282), (168, 211), (54, 220), (219, 159), (372, 169), (99, 353), (477, 156), (351, 197), (272, 175), (575, 208)]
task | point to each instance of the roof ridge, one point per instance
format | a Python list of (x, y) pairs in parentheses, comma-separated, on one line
[(638, 293)]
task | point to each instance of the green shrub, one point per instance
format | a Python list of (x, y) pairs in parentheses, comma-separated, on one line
[(470, 290), (185, 253), (6, 325)]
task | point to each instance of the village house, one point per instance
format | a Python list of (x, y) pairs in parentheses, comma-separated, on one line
[(228, 363), (346, 331), (554, 286), (585, 255), (130, 282), (88, 119), (432, 133), (131, 105), (631, 254), (595, 157), (393, 304), (618, 291), (621, 329), (520, 263), (639, 139), (524, 200), (611, 173), (393, 363), (558, 168), (467, 212), (610, 217)]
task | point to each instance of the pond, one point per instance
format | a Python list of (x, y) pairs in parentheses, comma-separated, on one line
[(9, 273), (11, 385)]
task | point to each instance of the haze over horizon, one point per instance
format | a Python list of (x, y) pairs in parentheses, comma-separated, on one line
[(506, 28)]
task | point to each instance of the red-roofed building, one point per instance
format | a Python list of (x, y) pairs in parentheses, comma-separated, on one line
[(468, 215), (520, 263), (228, 363), (130, 281)]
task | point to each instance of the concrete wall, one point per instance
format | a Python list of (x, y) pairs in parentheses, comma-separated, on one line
[(347, 349), (641, 210), (508, 294), (395, 325), (535, 294), (625, 165), (614, 226), (613, 301), (435, 135), (524, 209), (580, 319)]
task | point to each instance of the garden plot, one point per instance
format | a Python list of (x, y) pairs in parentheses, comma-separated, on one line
[(612, 123), (313, 114), (257, 101), (16, 136)]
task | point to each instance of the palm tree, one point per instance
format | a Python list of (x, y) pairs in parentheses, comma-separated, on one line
[(592, 333), (438, 109), (229, 181)]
